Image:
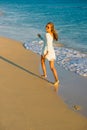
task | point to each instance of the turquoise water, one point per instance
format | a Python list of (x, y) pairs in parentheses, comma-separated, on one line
[(23, 20)]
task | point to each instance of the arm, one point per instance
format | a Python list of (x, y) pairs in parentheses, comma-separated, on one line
[(47, 42)]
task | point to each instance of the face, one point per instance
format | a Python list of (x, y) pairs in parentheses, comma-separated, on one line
[(48, 28)]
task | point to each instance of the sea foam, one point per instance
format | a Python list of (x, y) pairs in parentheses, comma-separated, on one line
[(68, 58)]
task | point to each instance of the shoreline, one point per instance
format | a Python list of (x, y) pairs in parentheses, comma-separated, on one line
[(28, 101)]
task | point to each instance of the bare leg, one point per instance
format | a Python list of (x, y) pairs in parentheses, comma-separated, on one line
[(43, 66), (53, 69)]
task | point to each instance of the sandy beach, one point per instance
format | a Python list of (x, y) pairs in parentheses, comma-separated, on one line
[(28, 102)]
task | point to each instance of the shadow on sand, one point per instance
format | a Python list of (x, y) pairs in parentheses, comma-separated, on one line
[(29, 72), (20, 67)]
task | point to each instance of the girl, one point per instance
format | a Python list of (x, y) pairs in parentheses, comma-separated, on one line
[(48, 51)]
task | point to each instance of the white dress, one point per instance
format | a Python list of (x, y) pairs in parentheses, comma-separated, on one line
[(48, 46)]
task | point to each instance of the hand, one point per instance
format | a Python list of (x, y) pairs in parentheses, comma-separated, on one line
[(44, 56), (38, 35)]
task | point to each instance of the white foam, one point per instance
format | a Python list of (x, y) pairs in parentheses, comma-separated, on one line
[(68, 58)]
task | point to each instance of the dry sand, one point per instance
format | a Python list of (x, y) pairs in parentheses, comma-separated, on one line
[(27, 102)]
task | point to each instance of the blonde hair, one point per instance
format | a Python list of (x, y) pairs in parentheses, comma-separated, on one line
[(55, 34)]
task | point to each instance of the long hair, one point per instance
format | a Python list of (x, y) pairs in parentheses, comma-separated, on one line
[(55, 34)]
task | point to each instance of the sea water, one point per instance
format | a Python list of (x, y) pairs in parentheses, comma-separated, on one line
[(23, 20)]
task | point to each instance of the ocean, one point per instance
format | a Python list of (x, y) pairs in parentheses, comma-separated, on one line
[(23, 20)]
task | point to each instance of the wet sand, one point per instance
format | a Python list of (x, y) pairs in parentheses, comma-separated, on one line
[(72, 89)]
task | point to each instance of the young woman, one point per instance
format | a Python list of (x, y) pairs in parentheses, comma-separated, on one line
[(48, 51)]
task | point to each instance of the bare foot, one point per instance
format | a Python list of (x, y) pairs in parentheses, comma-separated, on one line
[(56, 83), (44, 76)]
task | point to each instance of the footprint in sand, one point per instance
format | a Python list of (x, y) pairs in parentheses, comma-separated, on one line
[(76, 107)]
